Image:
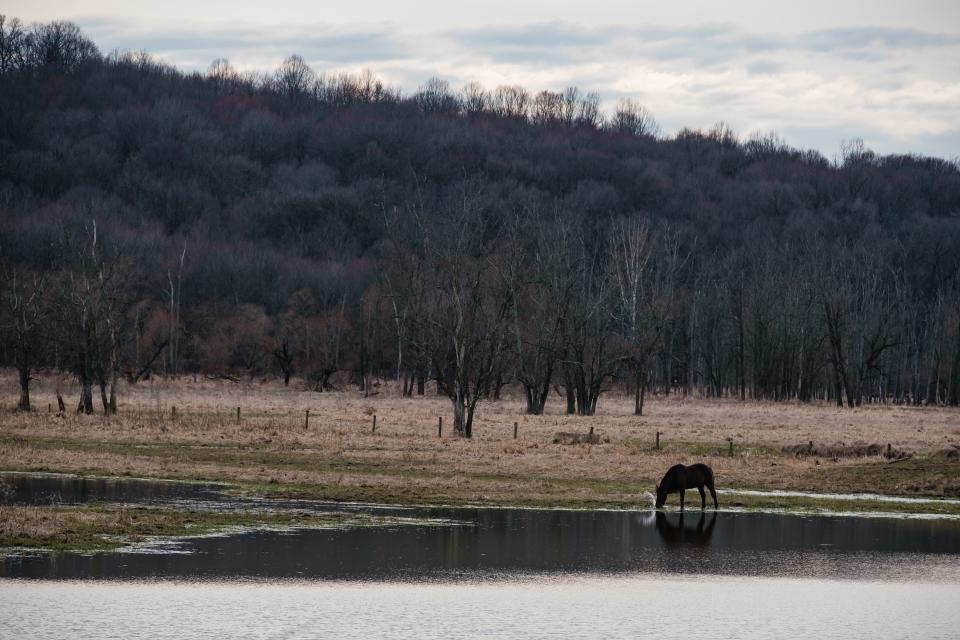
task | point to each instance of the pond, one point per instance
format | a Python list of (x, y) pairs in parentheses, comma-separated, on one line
[(468, 572)]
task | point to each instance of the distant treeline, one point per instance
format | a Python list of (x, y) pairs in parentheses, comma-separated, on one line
[(331, 228)]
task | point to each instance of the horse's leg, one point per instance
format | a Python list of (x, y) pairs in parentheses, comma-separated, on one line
[(713, 492), (683, 492), (703, 498)]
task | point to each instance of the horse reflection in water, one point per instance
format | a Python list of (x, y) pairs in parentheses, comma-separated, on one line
[(678, 535)]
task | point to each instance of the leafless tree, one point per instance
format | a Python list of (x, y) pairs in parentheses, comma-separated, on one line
[(25, 314), (467, 306), (475, 99), (511, 101), (435, 96), (295, 79), (632, 117), (94, 295), (174, 298), (12, 44), (540, 282), (59, 45)]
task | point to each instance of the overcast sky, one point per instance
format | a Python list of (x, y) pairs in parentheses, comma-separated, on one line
[(817, 72)]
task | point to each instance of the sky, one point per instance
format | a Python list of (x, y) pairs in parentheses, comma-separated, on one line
[(816, 72)]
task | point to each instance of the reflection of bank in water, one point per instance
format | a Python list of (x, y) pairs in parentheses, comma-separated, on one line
[(681, 534)]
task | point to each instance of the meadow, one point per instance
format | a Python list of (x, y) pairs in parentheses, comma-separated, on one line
[(188, 429)]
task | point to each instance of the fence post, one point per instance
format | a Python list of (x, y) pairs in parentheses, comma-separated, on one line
[(658, 440), (731, 446), (173, 412), (514, 430), (238, 415), (306, 420), (440, 427), (374, 423)]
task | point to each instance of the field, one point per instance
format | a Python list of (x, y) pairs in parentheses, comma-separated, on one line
[(188, 429)]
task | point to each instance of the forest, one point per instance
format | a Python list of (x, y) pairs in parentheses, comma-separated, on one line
[(328, 229)]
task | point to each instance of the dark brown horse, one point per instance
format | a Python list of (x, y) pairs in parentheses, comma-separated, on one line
[(680, 478)]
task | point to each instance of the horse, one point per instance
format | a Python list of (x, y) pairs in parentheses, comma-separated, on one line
[(680, 478)]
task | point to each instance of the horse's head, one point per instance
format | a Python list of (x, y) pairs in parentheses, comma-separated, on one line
[(661, 497)]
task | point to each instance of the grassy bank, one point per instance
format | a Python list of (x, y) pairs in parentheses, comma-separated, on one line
[(618, 478), (100, 527), (273, 450), (104, 527)]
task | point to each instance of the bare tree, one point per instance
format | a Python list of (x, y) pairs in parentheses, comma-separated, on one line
[(94, 296), (540, 281), (223, 75), (294, 79), (467, 307), (632, 117), (25, 314), (12, 44), (59, 45), (511, 101), (587, 361), (435, 96), (644, 268), (475, 99), (174, 298)]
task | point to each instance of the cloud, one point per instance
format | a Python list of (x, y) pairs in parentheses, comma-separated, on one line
[(833, 40), (319, 44), (763, 67), (707, 44), (899, 87)]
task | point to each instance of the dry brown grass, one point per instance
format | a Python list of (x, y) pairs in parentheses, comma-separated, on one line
[(405, 460)]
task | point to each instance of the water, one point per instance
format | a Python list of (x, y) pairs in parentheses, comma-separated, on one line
[(54, 488), (633, 606), (460, 572)]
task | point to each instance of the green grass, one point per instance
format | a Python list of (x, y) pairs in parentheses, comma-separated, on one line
[(812, 504), (392, 482)]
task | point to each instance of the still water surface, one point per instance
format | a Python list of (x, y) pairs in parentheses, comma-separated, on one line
[(459, 572), (631, 606)]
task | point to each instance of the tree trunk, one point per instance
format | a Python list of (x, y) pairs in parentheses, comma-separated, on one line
[(837, 384), (533, 407), (497, 386), (103, 397), (583, 396), (113, 394), (741, 361), (461, 425), (468, 427), (639, 391), (537, 392), (571, 391), (86, 397), (953, 398), (933, 383), (24, 404)]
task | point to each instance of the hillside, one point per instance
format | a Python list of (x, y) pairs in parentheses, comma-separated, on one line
[(328, 226)]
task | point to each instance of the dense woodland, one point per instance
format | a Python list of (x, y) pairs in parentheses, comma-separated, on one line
[(330, 229)]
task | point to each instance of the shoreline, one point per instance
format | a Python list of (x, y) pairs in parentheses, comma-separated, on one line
[(106, 526)]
